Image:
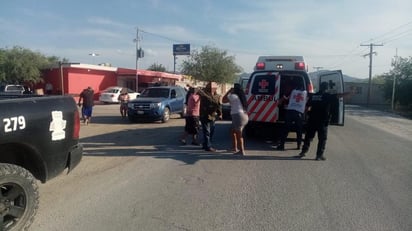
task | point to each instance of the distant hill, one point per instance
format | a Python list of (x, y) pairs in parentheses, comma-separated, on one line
[(347, 78)]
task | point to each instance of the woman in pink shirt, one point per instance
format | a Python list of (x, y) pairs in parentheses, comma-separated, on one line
[(192, 117)]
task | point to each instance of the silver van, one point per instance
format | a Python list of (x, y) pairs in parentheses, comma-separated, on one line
[(11, 89)]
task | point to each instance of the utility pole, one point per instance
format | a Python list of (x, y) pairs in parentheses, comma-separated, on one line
[(394, 81), (61, 77), (370, 68), (174, 64), (136, 40)]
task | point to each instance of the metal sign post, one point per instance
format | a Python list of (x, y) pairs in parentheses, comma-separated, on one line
[(179, 49)]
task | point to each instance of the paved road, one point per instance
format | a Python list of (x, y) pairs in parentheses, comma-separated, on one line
[(137, 177)]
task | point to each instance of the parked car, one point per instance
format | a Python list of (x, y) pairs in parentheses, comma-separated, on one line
[(157, 103), (111, 94), (11, 89)]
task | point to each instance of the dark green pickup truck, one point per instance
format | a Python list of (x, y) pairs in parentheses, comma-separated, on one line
[(39, 139)]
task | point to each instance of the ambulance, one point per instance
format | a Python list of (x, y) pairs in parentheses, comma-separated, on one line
[(272, 78)]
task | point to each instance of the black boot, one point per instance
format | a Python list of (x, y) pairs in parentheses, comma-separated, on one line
[(302, 153), (320, 157)]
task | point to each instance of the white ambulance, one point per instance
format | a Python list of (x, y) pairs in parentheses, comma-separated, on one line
[(274, 77)]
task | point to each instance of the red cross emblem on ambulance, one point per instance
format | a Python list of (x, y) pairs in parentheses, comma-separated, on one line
[(263, 84)]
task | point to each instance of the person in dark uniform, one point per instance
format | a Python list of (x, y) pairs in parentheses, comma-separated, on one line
[(319, 116)]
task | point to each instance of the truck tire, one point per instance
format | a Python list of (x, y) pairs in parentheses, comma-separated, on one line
[(166, 115), (19, 197)]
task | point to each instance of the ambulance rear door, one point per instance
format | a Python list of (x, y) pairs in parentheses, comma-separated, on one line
[(335, 86), (263, 96)]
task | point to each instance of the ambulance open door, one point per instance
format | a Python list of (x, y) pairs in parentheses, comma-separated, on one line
[(335, 86)]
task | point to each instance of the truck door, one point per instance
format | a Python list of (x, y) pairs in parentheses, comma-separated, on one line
[(335, 86), (263, 97), (174, 102)]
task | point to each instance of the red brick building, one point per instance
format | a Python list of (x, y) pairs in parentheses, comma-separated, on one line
[(71, 79)]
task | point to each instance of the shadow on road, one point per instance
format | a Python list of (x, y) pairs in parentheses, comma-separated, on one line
[(162, 143)]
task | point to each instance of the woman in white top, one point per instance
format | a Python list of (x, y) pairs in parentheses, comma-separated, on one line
[(238, 106)]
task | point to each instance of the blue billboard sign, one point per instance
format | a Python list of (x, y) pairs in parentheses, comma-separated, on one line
[(181, 49)]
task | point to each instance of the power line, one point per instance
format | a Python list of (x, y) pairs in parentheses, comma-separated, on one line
[(397, 36), (161, 36), (389, 32)]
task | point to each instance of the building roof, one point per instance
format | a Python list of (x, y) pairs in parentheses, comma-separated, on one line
[(124, 71)]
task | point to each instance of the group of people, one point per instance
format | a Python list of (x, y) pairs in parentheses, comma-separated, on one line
[(204, 107), (86, 101), (318, 108)]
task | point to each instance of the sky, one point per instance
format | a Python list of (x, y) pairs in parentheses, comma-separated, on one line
[(331, 35)]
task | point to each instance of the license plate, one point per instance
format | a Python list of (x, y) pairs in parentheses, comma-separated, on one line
[(140, 112)]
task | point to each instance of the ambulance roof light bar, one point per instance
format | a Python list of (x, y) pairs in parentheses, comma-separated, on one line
[(300, 66), (260, 66)]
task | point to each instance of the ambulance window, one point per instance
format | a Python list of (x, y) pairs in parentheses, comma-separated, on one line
[(264, 85), (290, 82)]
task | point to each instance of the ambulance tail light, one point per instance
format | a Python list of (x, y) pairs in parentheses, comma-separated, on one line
[(300, 66), (76, 125), (309, 88), (260, 66)]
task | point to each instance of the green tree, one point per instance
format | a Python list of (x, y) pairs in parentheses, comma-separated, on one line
[(157, 67), (20, 65), (402, 72), (211, 64)]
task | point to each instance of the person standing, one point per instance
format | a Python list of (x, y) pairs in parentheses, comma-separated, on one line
[(87, 96), (49, 88), (210, 110), (238, 111), (192, 117), (319, 116), (295, 110), (123, 99)]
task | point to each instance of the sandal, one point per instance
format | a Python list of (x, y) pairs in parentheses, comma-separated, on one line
[(239, 153)]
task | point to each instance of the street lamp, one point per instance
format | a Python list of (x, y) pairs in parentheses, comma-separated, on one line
[(94, 55)]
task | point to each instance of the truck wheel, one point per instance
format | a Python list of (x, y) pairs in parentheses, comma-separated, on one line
[(166, 115), (19, 197)]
